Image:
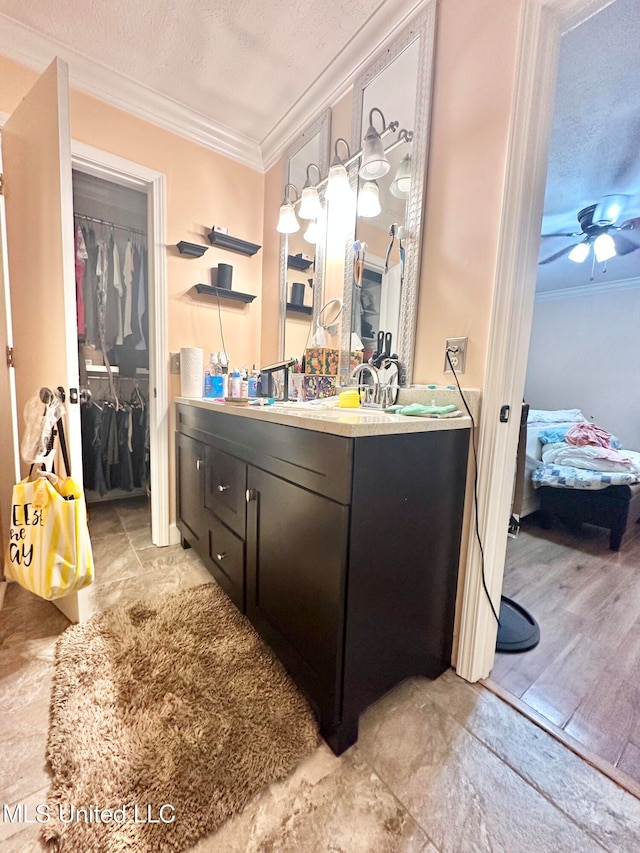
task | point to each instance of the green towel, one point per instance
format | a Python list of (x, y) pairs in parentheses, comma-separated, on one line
[(418, 410)]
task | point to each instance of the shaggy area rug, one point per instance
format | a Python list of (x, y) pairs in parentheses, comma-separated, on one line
[(166, 718)]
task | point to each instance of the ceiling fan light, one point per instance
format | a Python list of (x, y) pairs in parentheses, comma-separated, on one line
[(608, 210), (579, 253), (310, 206), (287, 221), (369, 200), (604, 247)]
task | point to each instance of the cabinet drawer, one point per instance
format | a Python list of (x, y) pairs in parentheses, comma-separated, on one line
[(225, 485), (226, 561)]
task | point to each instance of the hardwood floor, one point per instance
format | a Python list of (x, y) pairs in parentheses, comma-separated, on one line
[(584, 676)]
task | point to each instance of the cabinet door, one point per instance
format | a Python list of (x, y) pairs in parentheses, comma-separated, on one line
[(36, 153), (190, 490), (296, 563)]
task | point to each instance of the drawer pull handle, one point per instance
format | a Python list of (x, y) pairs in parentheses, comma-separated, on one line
[(222, 488), (198, 464), (250, 495), (221, 557)]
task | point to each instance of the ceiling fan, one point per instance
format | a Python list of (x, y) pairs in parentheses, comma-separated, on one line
[(599, 231)]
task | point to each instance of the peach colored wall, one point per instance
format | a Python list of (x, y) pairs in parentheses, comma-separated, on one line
[(273, 188), (202, 189)]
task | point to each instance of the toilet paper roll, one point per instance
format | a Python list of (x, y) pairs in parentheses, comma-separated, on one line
[(191, 371)]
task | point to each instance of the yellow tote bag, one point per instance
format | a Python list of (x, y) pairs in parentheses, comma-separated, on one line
[(49, 549)]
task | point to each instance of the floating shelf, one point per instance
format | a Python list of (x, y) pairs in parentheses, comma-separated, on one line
[(225, 293), (102, 368), (299, 309), (234, 244), (296, 263), (191, 249)]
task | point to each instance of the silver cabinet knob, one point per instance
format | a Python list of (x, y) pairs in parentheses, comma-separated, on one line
[(198, 464), (221, 556), (222, 488), (250, 495)]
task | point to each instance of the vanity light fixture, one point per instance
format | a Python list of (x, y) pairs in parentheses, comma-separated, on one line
[(338, 187), (311, 234), (310, 206), (287, 221), (401, 183), (375, 163), (369, 200)]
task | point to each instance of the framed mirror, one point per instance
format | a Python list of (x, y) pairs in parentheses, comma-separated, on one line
[(382, 296), (302, 253)]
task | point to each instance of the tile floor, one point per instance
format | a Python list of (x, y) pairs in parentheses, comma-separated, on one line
[(439, 766)]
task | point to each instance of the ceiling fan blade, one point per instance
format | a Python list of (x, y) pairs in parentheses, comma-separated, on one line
[(558, 234), (557, 255), (625, 246)]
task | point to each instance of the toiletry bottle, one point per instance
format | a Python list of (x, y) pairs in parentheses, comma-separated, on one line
[(236, 384), (245, 382), (225, 384), (209, 374), (217, 380), (252, 383)]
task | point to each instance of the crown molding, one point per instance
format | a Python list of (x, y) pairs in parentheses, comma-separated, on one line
[(588, 290), (338, 77), (30, 48)]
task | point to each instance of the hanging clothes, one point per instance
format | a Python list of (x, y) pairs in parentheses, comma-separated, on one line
[(81, 257), (90, 288)]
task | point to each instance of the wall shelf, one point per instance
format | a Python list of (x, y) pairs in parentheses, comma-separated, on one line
[(299, 309), (224, 293), (296, 263), (192, 249), (233, 244)]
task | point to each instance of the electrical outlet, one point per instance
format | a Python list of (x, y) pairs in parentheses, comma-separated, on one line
[(458, 357), (174, 364)]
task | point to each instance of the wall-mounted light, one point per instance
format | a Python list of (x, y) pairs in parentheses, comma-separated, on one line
[(374, 160), (287, 221), (369, 199), (338, 187), (401, 183), (310, 206), (311, 234)]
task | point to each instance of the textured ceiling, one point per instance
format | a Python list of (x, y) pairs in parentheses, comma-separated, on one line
[(595, 144), (242, 63)]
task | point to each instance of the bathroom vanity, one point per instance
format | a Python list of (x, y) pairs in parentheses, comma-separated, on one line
[(337, 534)]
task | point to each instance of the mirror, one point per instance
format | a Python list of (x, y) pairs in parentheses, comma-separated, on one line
[(301, 261), (380, 290)]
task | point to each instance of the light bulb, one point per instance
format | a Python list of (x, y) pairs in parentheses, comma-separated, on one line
[(604, 247), (579, 253), (369, 200), (310, 206), (287, 221), (311, 234), (374, 161), (401, 183), (338, 187)]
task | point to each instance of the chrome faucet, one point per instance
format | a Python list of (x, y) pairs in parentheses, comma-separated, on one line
[(370, 388)]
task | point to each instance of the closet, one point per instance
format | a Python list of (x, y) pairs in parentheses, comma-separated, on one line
[(112, 311)]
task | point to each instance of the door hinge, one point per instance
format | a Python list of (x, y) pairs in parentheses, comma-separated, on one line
[(1, 184), (10, 357)]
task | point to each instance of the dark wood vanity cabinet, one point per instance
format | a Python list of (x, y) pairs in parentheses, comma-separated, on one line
[(343, 552)]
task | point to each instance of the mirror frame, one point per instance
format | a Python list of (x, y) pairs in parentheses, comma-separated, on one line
[(421, 27), (322, 127)]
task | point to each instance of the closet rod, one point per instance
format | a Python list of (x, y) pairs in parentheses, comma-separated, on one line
[(109, 224)]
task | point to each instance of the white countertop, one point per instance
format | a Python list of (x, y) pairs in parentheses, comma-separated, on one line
[(337, 421)]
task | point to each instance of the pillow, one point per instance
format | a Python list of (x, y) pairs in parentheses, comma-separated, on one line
[(557, 416)]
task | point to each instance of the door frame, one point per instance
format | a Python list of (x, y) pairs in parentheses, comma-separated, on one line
[(111, 167), (542, 26)]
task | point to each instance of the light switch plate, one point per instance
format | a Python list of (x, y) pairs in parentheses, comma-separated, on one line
[(174, 364)]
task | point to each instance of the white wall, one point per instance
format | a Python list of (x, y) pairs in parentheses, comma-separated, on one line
[(585, 354)]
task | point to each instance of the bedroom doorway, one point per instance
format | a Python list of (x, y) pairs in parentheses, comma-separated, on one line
[(564, 567)]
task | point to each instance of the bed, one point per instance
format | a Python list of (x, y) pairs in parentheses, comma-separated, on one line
[(584, 496)]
